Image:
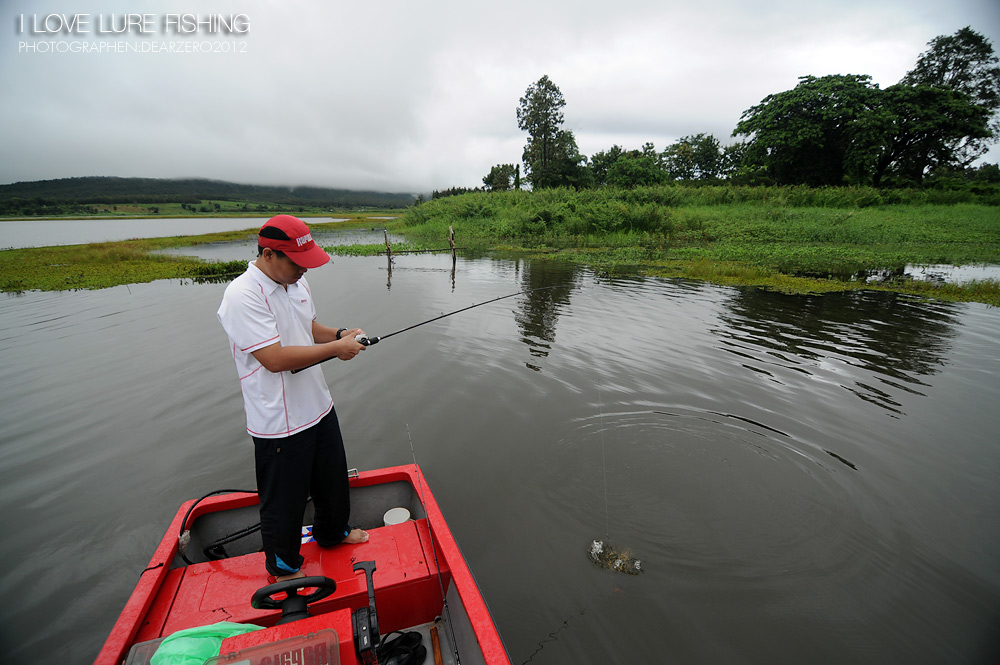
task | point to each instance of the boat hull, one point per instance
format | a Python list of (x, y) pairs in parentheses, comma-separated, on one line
[(418, 568)]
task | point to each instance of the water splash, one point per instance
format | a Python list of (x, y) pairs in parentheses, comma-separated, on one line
[(608, 556)]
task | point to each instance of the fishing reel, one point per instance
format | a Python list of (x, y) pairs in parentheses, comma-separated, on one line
[(366, 341)]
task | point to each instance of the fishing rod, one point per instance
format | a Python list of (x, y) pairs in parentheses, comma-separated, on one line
[(368, 341)]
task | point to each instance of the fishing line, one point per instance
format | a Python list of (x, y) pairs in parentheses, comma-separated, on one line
[(604, 463), (553, 637), (602, 552), (368, 341), (437, 566)]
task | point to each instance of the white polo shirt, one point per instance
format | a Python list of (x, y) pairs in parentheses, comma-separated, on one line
[(256, 312)]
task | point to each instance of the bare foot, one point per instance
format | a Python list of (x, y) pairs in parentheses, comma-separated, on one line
[(291, 576), (356, 536)]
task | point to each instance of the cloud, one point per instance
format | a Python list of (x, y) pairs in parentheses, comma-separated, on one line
[(396, 95)]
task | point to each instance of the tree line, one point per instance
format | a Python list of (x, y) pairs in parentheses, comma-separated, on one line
[(80, 195), (832, 130)]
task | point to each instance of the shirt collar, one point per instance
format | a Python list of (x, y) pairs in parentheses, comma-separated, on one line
[(266, 283)]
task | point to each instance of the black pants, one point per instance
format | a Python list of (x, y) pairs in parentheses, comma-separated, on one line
[(289, 470)]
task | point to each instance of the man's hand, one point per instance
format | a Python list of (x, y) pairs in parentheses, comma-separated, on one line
[(354, 332), (347, 346), (278, 358)]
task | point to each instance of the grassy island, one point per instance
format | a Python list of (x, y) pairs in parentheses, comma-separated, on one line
[(792, 239)]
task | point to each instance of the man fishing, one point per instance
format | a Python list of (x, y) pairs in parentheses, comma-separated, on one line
[(270, 317)]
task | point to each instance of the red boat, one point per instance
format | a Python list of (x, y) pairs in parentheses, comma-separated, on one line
[(410, 577)]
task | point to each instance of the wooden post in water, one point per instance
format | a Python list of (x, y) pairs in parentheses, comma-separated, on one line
[(451, 241), (388, 252)]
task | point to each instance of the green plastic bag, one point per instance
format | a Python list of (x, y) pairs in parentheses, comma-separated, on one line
[(193, 646)]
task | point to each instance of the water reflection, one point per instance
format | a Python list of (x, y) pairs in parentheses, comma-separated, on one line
[(391, 261), (890, 340), (938, 273), (895, 339), (548, 287)]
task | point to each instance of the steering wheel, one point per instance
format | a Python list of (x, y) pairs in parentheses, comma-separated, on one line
[(263, 598)]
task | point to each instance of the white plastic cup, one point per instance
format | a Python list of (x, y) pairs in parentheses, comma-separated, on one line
[(395, 516)]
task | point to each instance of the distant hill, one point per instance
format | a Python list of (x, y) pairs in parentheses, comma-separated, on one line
[(107, 190)]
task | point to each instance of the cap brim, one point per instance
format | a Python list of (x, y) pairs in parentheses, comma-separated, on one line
[(314, 257)]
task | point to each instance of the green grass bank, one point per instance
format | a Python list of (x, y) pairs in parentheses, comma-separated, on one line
[(793, 239)]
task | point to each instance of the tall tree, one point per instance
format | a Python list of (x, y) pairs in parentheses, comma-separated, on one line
[(540, 114), (964, 63), (843, 129), (818, 133), (921, 129)]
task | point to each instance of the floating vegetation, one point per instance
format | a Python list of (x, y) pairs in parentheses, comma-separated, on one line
[(218, 272), (607, 556)]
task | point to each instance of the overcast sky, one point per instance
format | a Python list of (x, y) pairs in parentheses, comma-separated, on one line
[(414, 95)]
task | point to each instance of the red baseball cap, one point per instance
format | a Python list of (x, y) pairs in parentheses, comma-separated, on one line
[(300, 248)]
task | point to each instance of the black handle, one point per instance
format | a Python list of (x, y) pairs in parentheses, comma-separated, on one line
[(361, 339), (365, 620)]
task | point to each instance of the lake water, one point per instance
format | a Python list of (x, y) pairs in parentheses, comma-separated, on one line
[(805, 479), (17, 234)]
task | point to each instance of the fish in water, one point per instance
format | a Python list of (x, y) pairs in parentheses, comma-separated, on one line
[(607, 556)]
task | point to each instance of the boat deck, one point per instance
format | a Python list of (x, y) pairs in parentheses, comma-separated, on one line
[(220, 590), (417, 568)]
